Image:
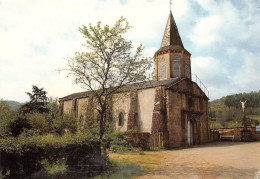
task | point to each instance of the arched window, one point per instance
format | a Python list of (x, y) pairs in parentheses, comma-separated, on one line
[(187, 71), (175, 70), (120, 119), (163, 72)]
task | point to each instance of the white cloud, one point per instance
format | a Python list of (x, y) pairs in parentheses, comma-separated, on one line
[(206, 31), (37, 35)]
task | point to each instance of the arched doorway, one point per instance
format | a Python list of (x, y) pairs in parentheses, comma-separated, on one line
[(190, 132)]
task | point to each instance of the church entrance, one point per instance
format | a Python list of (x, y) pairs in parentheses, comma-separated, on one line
[(190, 132)]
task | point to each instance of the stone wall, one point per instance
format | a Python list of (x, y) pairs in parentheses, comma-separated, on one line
[(236, 132), (82, 105), (67, 106), (214, 135), (159, 134), (186, 102), (175, 119)]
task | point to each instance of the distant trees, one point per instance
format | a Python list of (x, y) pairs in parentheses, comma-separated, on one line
[(253, 99)]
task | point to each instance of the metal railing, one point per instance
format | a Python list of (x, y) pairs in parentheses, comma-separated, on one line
[(196, 79)]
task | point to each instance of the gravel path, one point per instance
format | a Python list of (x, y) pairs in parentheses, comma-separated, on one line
[(215, 160)]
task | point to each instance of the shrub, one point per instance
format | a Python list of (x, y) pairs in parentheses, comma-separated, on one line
[(117, 142), (7, 116), (23, 156), (66, 121), (19, 125), (38, 122), (215, 125), (233, 124)]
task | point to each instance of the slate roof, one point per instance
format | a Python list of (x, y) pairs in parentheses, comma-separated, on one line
[(136, 86), (171, 37), (171, 34)]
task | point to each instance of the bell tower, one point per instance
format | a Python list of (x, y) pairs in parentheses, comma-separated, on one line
[(172, 60)]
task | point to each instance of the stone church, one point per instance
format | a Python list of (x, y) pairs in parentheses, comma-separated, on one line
[(169, 111)]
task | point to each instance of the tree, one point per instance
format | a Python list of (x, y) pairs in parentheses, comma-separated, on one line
[(108, 65), (37, 95), (7, 116), (38, 101)]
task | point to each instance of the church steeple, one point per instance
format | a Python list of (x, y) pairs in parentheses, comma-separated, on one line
[(172, 60), (171, 34)]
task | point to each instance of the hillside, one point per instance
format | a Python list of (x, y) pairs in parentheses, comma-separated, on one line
[(227, 112), (14, 104)]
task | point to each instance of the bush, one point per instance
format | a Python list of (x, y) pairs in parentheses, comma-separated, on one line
[(66, 121), (215, 125), (117, 142), (19, 125), (23, 156), (7, 116), (38, 122), (233, 124)]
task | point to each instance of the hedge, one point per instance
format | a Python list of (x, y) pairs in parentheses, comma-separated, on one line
[(22, 156)]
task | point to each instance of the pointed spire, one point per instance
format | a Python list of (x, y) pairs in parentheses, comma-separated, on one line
[(171, 34)]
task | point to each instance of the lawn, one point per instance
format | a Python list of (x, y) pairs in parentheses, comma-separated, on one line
[(131, 164), (148, 160), (255, 117)]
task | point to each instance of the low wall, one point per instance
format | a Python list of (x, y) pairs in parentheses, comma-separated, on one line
[(236, 132), (214, 135)]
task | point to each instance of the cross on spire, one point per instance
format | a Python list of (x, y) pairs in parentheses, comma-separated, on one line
[(170, 5)]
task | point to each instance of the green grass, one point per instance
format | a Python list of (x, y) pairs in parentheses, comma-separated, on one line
[(122, 170), (55, 167), (255, 117)]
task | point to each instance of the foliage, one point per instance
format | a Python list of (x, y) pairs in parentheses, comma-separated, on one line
[(19, 125), (53, 110), (24, 155), (253, 99), (38, 101), (215, 125), (232, 124), (7, 116), (117, 142), (37, 95), (107, 66), (65, 122), (38, 122)]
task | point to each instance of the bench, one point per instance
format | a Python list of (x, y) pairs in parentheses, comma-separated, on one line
[(227, 137)]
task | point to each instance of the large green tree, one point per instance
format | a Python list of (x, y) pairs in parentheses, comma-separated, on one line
[(38, 101), (108, 65)]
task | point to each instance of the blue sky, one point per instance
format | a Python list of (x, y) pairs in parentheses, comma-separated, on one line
[(36, 36)]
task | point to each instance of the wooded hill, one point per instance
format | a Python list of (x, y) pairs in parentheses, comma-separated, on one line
[(14, 104), (227, 112)]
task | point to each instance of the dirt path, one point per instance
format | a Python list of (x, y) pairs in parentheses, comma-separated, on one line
[(216, 160)]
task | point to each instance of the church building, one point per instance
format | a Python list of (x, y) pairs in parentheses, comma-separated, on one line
[(167, 112)]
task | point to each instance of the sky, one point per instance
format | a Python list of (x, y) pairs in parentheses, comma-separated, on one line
[(36, 37)]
